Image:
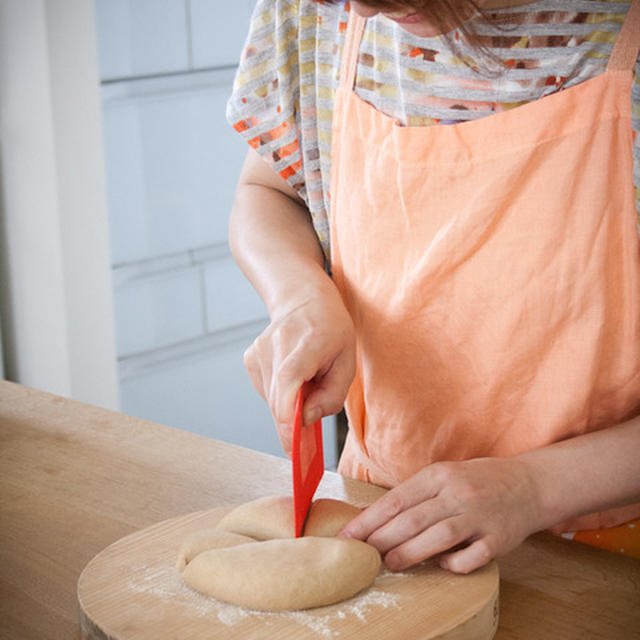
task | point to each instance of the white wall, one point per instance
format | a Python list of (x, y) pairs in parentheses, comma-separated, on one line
[(56, 301)]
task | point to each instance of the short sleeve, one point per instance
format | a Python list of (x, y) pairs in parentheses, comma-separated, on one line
[(264, 104)]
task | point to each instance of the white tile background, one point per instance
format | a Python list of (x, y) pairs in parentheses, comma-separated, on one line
[(184, 312)]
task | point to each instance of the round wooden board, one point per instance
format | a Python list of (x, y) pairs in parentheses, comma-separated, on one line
[(132, 591)]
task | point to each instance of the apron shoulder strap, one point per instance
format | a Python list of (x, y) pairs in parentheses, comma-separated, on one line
[(349, 62), (625, 51)]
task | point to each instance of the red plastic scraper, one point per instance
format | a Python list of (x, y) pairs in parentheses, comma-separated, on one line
[(308, 462)]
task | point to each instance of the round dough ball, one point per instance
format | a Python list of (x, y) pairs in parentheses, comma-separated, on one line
[(275, 575), (204, 540), (262, 519)]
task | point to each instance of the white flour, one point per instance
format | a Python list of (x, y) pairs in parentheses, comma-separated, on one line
[(165, 584)]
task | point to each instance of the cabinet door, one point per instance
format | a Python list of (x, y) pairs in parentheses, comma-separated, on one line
[(141, 37), (172, 165)]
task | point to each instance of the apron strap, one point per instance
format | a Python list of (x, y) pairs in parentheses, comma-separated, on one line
[(625, 51), (349, 62)]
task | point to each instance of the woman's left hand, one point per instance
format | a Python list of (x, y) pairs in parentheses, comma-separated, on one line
[(464, 512)]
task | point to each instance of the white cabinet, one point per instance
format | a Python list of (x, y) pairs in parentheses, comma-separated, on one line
[(172, 164), (142, 37), (159, 310)]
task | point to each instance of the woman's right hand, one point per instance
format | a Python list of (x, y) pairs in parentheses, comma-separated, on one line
[(313, 340)]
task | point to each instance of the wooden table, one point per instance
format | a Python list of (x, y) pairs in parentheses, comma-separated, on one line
[(75, 478)]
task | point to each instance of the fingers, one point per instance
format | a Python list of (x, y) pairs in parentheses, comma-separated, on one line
[(433, 513), (409, 534), (440, 537), (408, 524), (416, 490), (476, 555), (423, 532)]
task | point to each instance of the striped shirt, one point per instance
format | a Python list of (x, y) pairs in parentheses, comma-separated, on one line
[(283, 94)]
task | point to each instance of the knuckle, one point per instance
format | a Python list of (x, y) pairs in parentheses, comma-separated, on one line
[(289, 362), (287, 368), (254, 352), (411, 521), (394, 503), (249, 355), (449, 531), (465, 493), (441, 472)]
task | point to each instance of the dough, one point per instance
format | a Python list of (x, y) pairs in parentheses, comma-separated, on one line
[(204, 540), (327, 517), (262, 519), (272, 517), (267, 568), (293, 573)]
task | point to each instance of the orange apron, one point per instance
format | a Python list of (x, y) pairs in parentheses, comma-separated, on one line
[(492, 270)]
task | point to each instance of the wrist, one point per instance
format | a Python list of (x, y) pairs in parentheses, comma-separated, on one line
[(546, 492), (309, 285)]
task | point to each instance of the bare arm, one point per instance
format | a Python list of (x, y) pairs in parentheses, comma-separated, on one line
[(593, 472), (311, 334), (271, 236)]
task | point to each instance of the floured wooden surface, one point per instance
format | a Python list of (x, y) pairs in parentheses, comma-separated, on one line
[(166, 585), (132, 590)]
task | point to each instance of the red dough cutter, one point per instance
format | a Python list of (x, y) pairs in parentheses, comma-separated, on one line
[(308, 462)]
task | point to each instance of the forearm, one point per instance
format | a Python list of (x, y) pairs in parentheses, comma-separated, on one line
[(311, 335), (586, 474), (274, 243)]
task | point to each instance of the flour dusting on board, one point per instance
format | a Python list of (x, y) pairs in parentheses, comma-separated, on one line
[(165, 584)]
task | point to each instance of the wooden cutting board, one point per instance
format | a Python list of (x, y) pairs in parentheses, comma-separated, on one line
[(132, 591)]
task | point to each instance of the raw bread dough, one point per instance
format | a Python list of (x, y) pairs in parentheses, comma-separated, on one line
[(285, 573), (262, 519), (272, 517), (204, 540), (327, 517), (267, 568)]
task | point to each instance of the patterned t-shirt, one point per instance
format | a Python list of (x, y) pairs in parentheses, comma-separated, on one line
[(282, 100)]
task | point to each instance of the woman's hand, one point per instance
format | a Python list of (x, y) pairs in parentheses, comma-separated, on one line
[(464, 512), (313, 341)]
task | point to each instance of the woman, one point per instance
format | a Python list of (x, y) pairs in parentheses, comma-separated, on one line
[(481, 322)]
